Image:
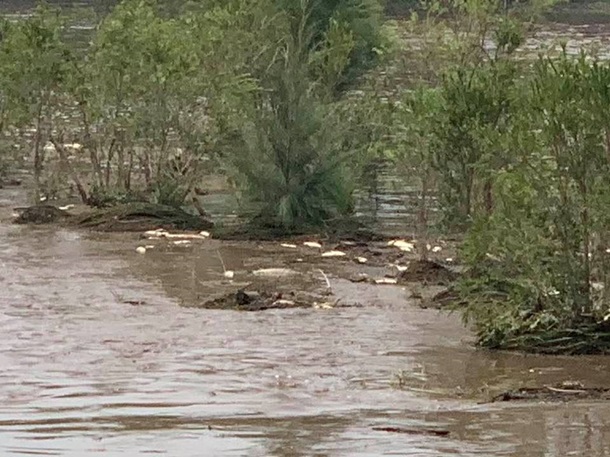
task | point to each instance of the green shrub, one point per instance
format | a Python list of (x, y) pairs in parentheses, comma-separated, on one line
[(292, 160), (539, 263)]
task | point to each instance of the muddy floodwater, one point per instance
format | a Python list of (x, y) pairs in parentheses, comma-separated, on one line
[(100, 356)]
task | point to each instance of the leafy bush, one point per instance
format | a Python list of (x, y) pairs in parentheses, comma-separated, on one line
[(33, 65), (540, 263)]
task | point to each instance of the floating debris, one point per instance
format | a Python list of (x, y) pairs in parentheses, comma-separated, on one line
[(437, 249), (362, 259), (229, 274), (413, 431), (141, 250), (205, 234), (181, 242), (288, 245), (65, 208)]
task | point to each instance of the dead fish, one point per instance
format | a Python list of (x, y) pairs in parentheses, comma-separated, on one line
[(229, 274), (386, 281), (333, 254), (274, 272), (402, 245), (312, 244)]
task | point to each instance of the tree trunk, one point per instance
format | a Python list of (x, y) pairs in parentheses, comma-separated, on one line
[(59, 147)]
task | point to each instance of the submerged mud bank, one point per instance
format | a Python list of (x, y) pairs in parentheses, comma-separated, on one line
[(129, 217)]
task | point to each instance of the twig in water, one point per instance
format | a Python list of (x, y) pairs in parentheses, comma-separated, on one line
[(326, 279), (222, 262)]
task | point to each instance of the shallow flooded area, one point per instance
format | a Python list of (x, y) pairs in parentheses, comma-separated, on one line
[(107, 351), (103, 353)]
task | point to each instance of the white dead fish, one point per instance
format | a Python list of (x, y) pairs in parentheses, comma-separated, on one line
[(65, 208), (362, 259), (288, 245), (437, 249), (402, 245), (229, 274), (312, 244), (274, 272), (73, 146), (401, 268), (325, 305), (597, 286), (449, 259), (141, 250), (334, 254), (150, 246), (155, 233), (205, 234), (181, 242), (184, 236), (386, 281)]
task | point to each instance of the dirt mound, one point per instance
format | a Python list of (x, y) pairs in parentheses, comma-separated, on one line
[(447, 297), (40, 214), (566, 391), (244, 300), (136, 217), (427, 272)]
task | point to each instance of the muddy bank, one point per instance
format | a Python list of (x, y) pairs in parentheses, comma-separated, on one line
[(130, 217), (565, 391), (263, 300)]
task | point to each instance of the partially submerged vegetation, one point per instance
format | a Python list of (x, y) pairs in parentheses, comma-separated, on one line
[(290, 101)]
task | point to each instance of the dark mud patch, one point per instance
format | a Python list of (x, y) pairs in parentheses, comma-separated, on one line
[(427, 272), (413, 431), (41, 214), (130, 217), (139, 217), (255, 232), (261, 300), (10, 182), (566, 391), (446, 298)]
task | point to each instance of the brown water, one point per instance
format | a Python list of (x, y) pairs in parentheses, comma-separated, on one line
[(83, 373)]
